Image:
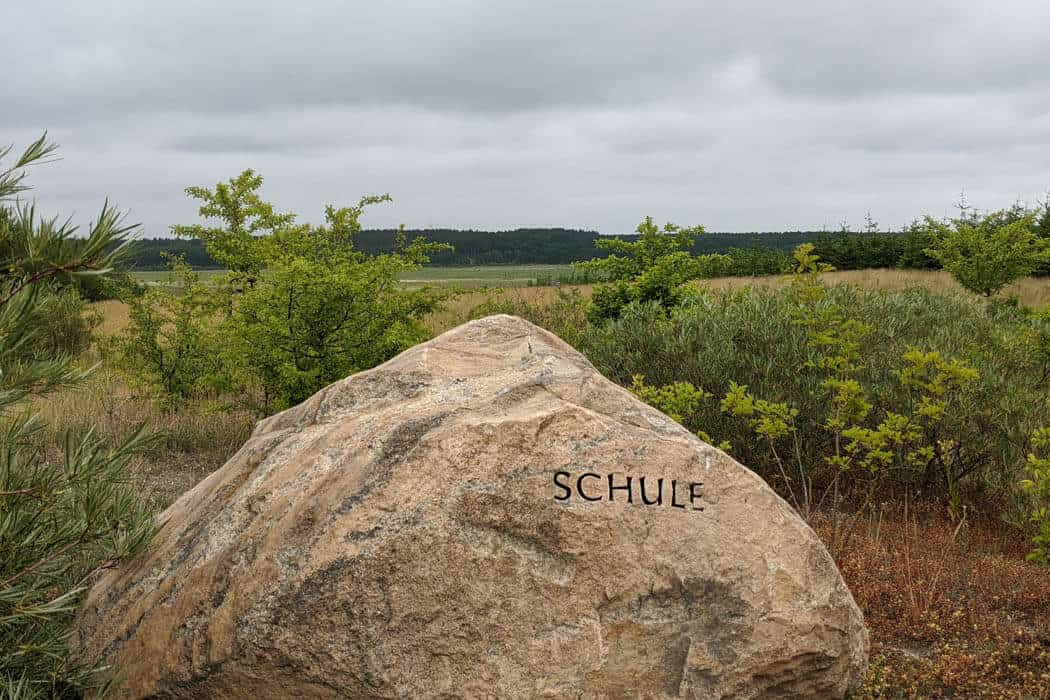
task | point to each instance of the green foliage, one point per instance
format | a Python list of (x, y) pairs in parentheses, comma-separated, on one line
[(61, 522), (984, 253), (241, 216), (173, 339), (913, 374), (652, 267), (680, 401), (61, 518), (1037, 487), (302, 306), (835, 344), (677, 400), (835, 340), (755, 261), (915, 241), (916, 440), (118, 284), (769, 420), (609, 300), (855, 250), (631, 258)]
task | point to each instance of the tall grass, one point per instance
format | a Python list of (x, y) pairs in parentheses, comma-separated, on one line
[(193, 439)]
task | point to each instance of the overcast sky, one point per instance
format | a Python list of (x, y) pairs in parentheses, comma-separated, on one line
[(493, 115)]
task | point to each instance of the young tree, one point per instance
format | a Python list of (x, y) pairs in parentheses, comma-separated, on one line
[(315, 309), (629, 259), (650, 268), (174, 340), (1042, 229), (243, 217), (984, 253), (915, 241), (61, 519)]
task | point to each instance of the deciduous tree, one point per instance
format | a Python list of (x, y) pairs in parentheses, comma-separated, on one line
[(984, 253), (312, 308)]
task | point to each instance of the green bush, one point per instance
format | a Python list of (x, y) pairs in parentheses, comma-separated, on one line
[(984, 253), (857, 250), (301, 307), (652, 267), (754, 338), (1037, 487), (173, 338), (915, 242), (755, 261)]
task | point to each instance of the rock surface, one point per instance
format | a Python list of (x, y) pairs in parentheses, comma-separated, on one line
[(400, 534)]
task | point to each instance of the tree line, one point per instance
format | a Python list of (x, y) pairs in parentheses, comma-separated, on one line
[(523, 246), (755, 253)]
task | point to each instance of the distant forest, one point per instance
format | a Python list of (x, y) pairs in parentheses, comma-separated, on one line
[(547, 246)]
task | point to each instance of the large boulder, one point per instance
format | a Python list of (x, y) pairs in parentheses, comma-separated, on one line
[(483, 515)]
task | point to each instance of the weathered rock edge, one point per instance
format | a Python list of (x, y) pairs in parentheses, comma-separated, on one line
[(397, 535)]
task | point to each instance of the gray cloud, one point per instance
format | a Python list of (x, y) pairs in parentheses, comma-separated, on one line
[(746, 115)]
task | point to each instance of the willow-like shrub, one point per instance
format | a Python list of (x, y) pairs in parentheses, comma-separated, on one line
[(754, 338)]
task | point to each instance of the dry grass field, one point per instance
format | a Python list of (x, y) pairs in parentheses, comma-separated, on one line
[(193, 441), (953, 608), (1033, 292)]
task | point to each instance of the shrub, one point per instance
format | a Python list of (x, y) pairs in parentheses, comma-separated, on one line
[(680, 401), (755, 261), (172, 338), (754, 338), (915, 242), (856, 440), (302, 306), (984, 253), (852, 250), (652, 267), (1037, 487), (63, 518)]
